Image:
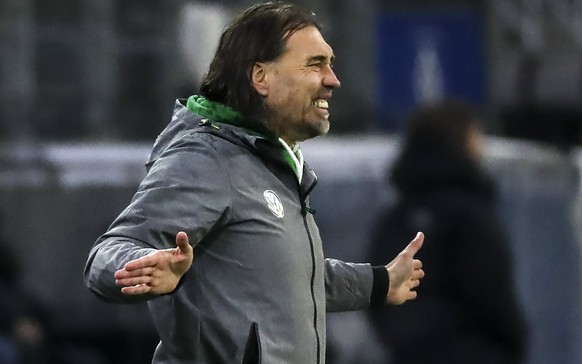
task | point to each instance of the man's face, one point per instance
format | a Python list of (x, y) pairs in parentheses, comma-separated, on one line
[(297, 86)]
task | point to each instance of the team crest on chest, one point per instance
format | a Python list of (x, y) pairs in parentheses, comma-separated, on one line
[(274, 203)]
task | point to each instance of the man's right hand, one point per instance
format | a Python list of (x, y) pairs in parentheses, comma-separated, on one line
[(158, 272)]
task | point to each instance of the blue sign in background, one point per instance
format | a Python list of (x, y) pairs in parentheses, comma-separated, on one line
[(425, 57)]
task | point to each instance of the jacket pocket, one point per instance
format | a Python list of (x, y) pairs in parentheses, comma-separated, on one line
[(253, 347)]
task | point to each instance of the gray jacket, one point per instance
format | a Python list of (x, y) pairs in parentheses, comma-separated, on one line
[(259, 287)]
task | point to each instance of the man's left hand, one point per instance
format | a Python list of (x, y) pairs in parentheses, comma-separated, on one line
[(405, 273)]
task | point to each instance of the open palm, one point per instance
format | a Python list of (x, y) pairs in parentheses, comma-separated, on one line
[(158, 272)]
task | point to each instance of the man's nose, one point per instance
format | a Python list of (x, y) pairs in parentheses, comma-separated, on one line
[(331, 80)]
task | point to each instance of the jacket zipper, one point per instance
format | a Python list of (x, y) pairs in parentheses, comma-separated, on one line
[(315, 313), (305, 210)]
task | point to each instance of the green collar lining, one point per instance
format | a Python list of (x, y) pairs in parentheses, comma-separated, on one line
[(222, 113), (214, 110)]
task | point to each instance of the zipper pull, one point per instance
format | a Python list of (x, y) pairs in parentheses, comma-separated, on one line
[(306, 209), (206, 122)]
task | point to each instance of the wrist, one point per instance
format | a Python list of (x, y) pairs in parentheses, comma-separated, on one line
[(380, 286)]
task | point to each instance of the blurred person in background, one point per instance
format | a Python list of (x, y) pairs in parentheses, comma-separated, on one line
[(26, 332), (23, 320), (468, 311), (227, 177), (8, 304)]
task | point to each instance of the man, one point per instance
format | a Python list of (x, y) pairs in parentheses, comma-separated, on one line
[(227, 177)]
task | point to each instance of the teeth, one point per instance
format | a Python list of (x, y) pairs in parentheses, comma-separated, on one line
[(321, 104)]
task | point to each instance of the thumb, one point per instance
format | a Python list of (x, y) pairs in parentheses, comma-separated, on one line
[(182, 242), (415, 244)]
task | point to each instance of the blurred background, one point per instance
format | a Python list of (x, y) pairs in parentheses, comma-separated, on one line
[(86, 86)]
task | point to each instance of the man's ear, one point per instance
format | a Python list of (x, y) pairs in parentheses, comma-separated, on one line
[(259, 78)]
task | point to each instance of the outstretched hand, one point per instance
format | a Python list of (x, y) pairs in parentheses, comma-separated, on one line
[(405, 273), (158, 272)]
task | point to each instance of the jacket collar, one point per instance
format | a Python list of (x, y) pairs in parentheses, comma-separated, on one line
[(217, 113)]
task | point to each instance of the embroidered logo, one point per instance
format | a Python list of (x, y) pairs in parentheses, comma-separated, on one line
[(274, 203)]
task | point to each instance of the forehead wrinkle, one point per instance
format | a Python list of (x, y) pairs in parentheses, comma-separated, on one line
[(318, 45)]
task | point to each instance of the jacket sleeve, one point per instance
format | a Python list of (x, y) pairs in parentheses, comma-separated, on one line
[(186, 189), (354, 286)]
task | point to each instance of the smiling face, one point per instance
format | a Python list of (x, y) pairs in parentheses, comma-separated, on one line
[(297, 86)]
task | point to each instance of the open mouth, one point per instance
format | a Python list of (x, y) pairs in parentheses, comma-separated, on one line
[(322, 104)]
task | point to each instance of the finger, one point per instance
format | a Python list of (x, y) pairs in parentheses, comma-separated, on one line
[(135, 290), (414, 283), (412, 295), (416, 264), (417, 274), (415, 244), (143, 262), (182, 242), (133, 281), (122, 273)]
